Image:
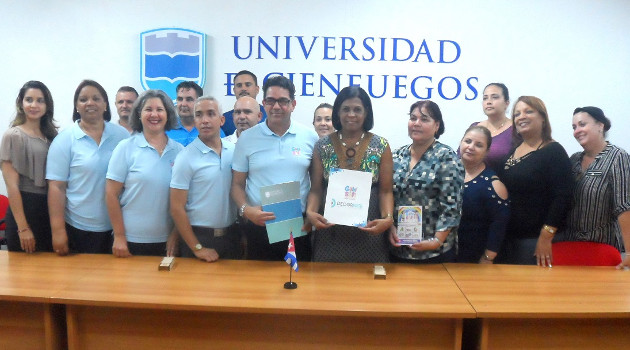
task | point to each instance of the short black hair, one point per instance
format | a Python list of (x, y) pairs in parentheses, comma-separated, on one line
[(282, 82), (190, 85), (504, 90), (107, 116), (596, 113), (246, 72), (127, 89), (351, 92), (434, 113)]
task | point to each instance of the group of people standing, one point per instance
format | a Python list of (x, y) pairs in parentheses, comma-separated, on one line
[(504, 196)]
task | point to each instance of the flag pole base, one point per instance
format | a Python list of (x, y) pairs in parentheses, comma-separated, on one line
[(290, 285)]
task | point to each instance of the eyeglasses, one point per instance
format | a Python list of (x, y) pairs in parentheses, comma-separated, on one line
[(282, 102)]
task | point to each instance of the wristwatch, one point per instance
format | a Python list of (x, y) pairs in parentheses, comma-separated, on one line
[(198, 246), (549, 229), (241, 210)]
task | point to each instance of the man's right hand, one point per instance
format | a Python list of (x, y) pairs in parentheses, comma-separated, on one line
[(257, 215)]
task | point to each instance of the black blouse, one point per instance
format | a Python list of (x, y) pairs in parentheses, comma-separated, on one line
[(540, 186)]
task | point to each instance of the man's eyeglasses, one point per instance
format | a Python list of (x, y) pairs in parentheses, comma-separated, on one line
[(270, 102)]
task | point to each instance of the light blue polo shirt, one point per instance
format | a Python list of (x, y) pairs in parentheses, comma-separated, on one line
[(76, 159), (207, 177), (183, 136), (270, 159), (145, 196)]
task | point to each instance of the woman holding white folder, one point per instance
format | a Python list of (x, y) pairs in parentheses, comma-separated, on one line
[(428, 174), (352, 147)]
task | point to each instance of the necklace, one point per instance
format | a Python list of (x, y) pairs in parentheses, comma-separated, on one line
[(512, 161), (350, 151), (500, 126)]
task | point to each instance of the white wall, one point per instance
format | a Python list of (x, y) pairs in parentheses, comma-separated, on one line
[(570, 53)]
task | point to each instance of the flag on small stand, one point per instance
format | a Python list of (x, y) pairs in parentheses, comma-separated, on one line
[(290, 257), (292, 261)]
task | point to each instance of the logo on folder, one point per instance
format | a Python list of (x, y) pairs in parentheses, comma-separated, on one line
[(169, 56)]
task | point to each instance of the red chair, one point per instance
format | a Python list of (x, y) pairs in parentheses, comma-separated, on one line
[(4, 205), (585, 254)]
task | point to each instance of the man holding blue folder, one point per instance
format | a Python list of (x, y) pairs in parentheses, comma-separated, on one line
[(274, 152)]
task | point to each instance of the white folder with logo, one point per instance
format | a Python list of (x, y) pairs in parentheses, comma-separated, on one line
[(348, 197)]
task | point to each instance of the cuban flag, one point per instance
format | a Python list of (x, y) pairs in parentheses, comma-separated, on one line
[(290, 257)]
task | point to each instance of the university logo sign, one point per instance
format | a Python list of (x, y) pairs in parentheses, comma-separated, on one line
[(169, 56)]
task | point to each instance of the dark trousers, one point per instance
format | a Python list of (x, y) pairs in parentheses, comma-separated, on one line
[(225, 245), (517, 251), (147, 249), (36, 211), (88, 242), (258, 247)]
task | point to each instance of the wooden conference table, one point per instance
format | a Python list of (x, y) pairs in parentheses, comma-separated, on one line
[(564, 307), (101, 302), (115, 303)]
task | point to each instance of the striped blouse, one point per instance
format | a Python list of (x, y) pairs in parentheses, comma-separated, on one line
[(600, 195)]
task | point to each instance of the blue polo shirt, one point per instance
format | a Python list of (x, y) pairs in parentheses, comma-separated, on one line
[(229, 127), (269, 159), (183, 136), (75, 158), (207, 177), (145, 196)]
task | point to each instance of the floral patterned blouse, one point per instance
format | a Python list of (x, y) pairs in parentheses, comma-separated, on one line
[(370, 162)]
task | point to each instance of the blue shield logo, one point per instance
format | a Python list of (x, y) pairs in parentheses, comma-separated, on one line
[(169, 56)]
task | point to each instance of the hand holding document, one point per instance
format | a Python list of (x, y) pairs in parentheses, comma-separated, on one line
[(348, 197), (284, 201), (409, 224)]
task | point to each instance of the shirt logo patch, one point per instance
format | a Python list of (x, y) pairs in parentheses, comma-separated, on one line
[(296, 151)]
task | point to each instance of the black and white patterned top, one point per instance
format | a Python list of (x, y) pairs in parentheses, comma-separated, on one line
[(601, 194), (435, 183)]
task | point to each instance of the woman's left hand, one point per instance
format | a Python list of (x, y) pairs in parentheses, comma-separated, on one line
[(377, 226), (427, 244), (543, 249)]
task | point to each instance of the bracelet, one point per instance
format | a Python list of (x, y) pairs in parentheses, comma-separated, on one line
[(24, 230), (241, 211), (432, 239), (549, 229), (389, 216)]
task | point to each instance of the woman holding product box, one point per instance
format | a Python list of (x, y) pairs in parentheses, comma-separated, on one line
[(428, 175)]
